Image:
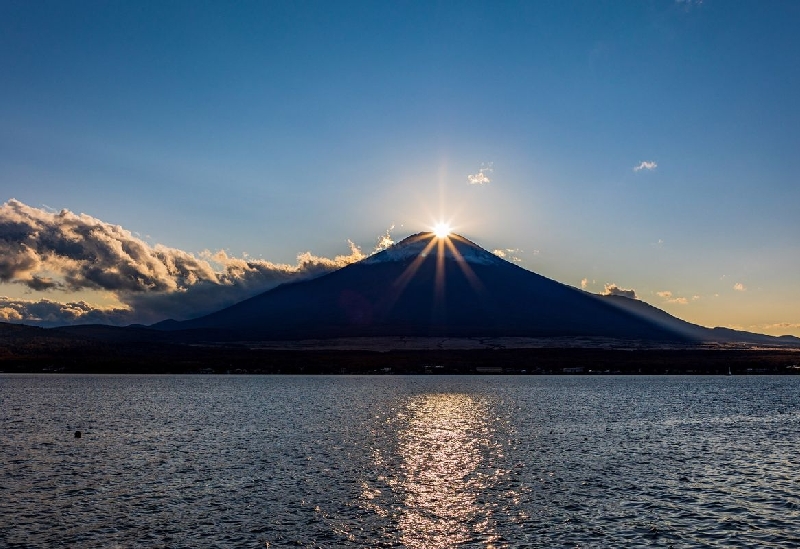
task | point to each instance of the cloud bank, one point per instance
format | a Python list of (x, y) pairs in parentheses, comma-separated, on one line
[(49, 251), (52, 313)]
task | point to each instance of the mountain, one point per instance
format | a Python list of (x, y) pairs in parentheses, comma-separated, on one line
[(430, 286)]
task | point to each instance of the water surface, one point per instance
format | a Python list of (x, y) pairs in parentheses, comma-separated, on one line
[(418, 462)]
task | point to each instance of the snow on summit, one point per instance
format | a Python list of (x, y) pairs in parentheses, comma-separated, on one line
[(453, 247)]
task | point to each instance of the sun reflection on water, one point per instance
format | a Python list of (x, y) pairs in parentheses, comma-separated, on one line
[(443, 474)]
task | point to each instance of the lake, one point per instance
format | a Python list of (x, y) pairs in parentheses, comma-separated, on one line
[(399, 461)]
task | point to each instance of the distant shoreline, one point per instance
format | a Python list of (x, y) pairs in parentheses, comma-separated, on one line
[(415, 343), (304, 358)]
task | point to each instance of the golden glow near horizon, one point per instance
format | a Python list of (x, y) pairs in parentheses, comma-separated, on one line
[(442, 230)]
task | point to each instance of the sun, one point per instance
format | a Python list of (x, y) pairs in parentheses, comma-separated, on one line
[(442, 230)]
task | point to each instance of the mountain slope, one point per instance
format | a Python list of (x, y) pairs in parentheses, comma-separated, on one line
[(425, 286), (695, 331)]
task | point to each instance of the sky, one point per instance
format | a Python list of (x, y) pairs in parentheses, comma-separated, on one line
[(162, 159)]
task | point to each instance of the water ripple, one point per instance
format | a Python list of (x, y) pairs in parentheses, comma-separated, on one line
[(180, 461)]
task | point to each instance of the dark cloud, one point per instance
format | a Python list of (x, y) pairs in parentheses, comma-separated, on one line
[(46, 250), (613, 289), (41, 283)]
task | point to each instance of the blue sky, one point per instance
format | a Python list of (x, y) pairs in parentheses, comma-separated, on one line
[(270, 129)]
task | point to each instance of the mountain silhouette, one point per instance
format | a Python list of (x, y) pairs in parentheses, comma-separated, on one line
[(430, 286)]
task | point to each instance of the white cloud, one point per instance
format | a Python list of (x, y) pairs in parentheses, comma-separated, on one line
[(613, 289), (385, 240), (478, 179), (648, 165), (584, 283), (739, 287), (481, 178), (510, 254)]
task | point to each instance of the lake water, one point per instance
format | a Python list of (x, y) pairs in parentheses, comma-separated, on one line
[(418, 462)]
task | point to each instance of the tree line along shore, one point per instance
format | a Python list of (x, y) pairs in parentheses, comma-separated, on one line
[(136, 358)]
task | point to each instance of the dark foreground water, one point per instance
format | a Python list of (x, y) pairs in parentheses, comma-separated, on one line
[(420, 462)]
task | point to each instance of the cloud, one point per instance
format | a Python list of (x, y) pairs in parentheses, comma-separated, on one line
[(45, 312), (779, 326), (584, 283), (648, 165), (478, 179), (88, 254), (668, 297), (481, 178), (613, 289), (739, 287), (42, 283), (49, 251), (385, 240), (237, 279), (510, 254)]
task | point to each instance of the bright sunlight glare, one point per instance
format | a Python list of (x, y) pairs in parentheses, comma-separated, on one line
[(441, 230)]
